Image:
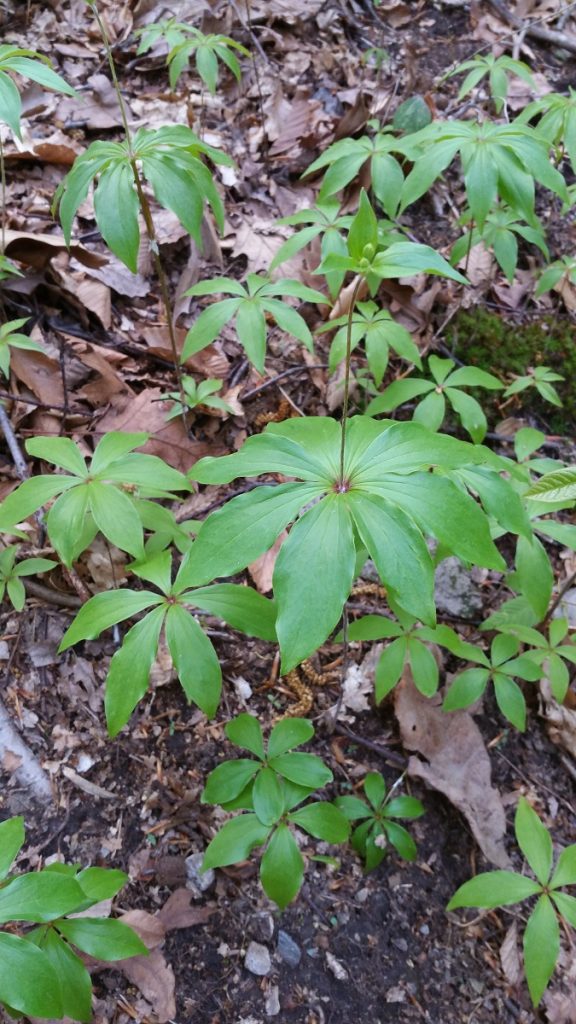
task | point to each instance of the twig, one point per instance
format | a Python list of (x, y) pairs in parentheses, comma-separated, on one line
[(19, 461), (281, 376), (28, 772), (9, 396), (544, 35), (388, 755), (563, 590), (51, 596)]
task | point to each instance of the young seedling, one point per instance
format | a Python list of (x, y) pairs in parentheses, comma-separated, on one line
[(503, 888), (499, 234), (185, 41), (446, 385), (551, 654), (11, 574), (498, 71), (41, 975), (324, 221), (195, 394), (503, 666), (102, 496), (379, 331), (378, 828), (541, 378), (10, 337), (193, 655), (269, 789)]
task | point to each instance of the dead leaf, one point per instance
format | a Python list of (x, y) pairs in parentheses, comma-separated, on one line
[(36, 250), (560, 719), (156, 981), (58, 148), (147, 926), (510, 956), (178, 913), (359, 681), (456, 764), (262, 569), (97, 109), (96, 792), (39, 373)]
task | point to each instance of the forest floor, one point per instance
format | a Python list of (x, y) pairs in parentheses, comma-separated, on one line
[(365, 948)]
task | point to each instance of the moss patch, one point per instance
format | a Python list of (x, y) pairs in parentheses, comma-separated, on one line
[(481, 338)]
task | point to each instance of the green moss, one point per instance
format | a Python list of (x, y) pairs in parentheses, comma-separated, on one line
[(481, 338)]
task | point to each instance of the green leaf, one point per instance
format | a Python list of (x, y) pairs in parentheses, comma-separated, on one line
[(66, 520), (323, 821), (16, 593), (28, 982), (431, 411), (557, 486), (104, 938), (470, 413), (39, 70), (130, 668), (566, 906), (363, 229), (113, 447), (533, 575), (208, 326), (228, 780), (317, 560), (10, 104), (75, 981), (245, 732), (194, 659), (399, 552), (234, 536), (424, 667), (494, 889), (30, 496), (241, 607), (375, 789), (303, 769), (39, 896), (104, 610), (282, 867), (235, 841), (565, 873), (389, 668), (287, 734), (401, 840), (116, 208), (404, 807), (60, 451), (534, 840), (541, 948), (267, 797), (353, 808), (510, 700), (11, 841), (372, 627), (117, 518), (466, 688), (251, 328), (404, 259), (101, 883)]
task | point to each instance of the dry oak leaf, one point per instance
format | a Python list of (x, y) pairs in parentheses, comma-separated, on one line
[(36, 250), (456, 764)]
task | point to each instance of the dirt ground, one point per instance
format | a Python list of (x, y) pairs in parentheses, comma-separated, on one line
[(369, 949)]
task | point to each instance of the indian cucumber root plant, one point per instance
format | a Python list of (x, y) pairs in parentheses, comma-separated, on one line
[(318, 534)]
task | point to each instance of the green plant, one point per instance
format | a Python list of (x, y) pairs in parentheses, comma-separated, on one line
[(10, 338), (379, 331), (378, 828), (28, 64), (552, 653), (323, 220), (192, 653), (557, 120), (102, 496), (408, 646), (503, 666), (540, 378), (499, 234), (503, 888), (269, 789), (184, 41), (41, 975), (447, 384), (498, 71), (557, 272), (498, 161), (560, 485), (11, 573), (248, 308), (195, 395)]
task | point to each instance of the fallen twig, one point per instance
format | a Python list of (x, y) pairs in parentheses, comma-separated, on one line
[(534, 30), (19, 761)]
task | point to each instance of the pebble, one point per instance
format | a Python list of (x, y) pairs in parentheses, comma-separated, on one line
[(567, 607), (257, 959), (272, 1001), (456, 589), (196, 880), (338, 969), (261, 927), (288, 950)]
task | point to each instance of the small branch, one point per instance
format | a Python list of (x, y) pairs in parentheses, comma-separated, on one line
[(534, 30), (19, 460), (388, 755), (43, 593), (563, 590), (281, 376), (28, 773)]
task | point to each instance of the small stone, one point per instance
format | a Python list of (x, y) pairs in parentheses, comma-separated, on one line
[(567, 607), (257, 959), (362, 895), (288, 950), (338, 970), (197, 880), (400, 944), (272, 1001), (456, 589), (4, 651), (261, 927)]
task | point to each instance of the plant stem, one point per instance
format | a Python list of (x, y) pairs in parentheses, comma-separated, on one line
[(346, 402), (3, 187), (146, 212), (469, 247)]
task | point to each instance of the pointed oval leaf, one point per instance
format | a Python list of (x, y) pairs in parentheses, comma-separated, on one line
[(323, 821), (289, 733), (282, 867), (228, 780), (494, 889), (28, 981), (235, 841), (534, 840), (103, 938), (541, 948), (194, 659)]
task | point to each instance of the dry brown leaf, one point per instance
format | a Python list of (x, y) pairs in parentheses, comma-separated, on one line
[(510, 956), (288, 11), (178, 913), (147, 926), (168, 440), (456, 764), (39, 373), (36, 250), (57, 149), (92, 295), (155, 979), (262, 569), (98, 108), (560, 719)]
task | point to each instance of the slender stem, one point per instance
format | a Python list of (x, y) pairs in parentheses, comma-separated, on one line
[(346, 402), (146, 212), (469, 247), (3, 187)]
